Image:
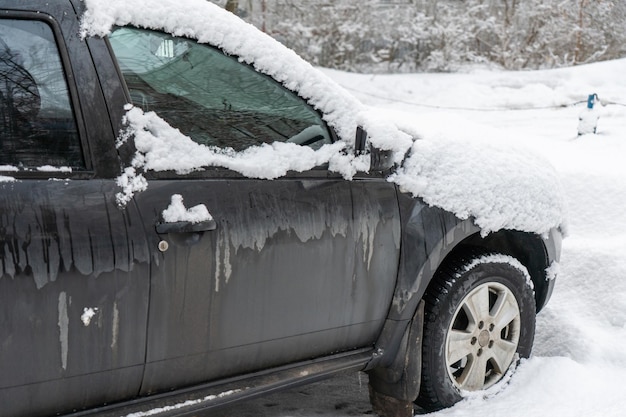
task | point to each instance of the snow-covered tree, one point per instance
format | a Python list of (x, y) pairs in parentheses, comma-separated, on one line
[(441, 35)]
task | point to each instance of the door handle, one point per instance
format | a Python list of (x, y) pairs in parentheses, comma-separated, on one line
[(186, 227)]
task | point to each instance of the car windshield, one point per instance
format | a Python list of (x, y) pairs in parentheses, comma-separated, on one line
[(209, 96)]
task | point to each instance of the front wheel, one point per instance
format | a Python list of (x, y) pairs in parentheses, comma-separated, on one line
[(479, 318)]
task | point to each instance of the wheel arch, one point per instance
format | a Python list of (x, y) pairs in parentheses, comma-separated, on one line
[(430, 237), (535, 252)]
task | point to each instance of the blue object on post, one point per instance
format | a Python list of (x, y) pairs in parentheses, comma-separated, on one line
[(591, 100)]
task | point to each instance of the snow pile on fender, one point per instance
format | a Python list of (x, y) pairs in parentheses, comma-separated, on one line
[(498, 187)]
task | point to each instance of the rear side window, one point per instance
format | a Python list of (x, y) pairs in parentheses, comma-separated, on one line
[(212, 98), (37, 125)]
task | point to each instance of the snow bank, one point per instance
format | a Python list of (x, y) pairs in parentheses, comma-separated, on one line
[(480, 180), (549, 387)]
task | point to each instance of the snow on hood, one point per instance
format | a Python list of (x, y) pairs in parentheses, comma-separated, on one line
[(459, 167), (519, 191), (500, 188)]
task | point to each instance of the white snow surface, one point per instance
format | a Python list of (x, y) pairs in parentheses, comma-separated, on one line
[(50, 168), (179, 406), (501, 187), (588, 120), (177, 212), (463, 172), (161, 147), (499, 258), (579, 356), (88, 314)]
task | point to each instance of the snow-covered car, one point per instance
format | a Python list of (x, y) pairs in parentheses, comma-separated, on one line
[(191, 215)]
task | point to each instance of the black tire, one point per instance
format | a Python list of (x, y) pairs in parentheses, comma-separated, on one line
[(467, 347)]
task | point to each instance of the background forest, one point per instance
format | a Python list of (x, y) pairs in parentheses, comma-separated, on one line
[(442, 35)]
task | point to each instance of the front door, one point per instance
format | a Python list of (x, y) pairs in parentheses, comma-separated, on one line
[(287, 269), (276, 279)]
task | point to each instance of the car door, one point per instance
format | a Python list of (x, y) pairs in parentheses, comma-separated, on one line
[(287, 269), (74, 268), (265, 286)]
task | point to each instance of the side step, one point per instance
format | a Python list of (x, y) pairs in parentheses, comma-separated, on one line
[(189, 401)]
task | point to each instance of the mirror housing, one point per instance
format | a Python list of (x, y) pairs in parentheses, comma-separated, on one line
[(359, 141), (380, 160)]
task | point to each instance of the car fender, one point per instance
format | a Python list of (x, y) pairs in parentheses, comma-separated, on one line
[(428, 235)]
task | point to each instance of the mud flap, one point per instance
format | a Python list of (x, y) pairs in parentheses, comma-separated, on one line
[(393, 389)]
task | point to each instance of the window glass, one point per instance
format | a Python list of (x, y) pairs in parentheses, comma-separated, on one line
[(37, 125), (211, 97)]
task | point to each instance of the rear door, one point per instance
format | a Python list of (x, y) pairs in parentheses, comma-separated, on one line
[(287, 270), (74, 268)]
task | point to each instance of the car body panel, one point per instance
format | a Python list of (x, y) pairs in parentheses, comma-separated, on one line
[(219, 304)]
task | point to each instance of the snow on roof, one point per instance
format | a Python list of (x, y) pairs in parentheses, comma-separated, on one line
[(498, 187)]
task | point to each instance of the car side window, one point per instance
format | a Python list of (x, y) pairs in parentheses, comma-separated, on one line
[(37, 125), (209, 96)]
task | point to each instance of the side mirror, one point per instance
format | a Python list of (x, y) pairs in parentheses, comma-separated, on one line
[(380, 160), (359, 141)]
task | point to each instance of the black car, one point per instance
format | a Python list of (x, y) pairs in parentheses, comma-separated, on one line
[(136, 278)]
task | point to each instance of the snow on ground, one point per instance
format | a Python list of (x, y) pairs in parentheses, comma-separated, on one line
[(580, 348)]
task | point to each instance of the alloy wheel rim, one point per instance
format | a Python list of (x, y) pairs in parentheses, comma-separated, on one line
[(483, 337)]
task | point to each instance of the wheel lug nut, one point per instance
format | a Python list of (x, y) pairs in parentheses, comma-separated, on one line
[(480, 352), (491, 327), (490, 344), (481, 325), (473, 341)]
